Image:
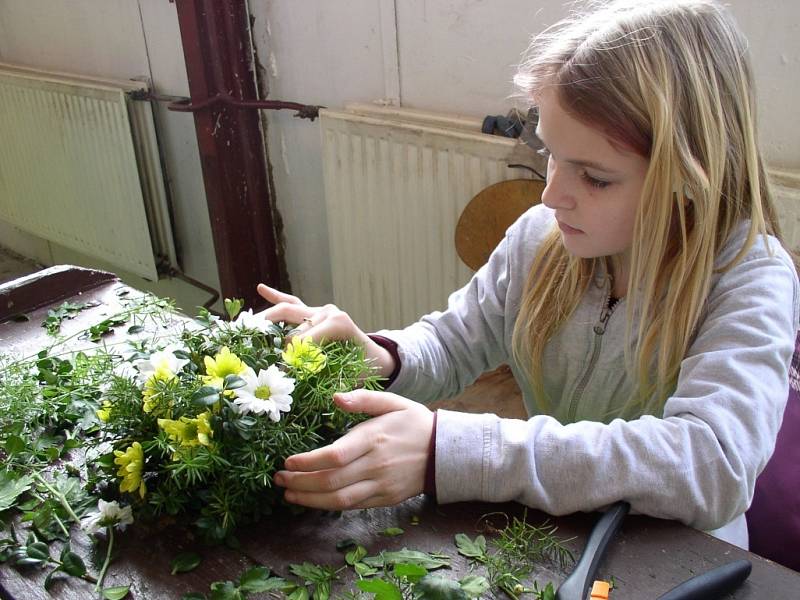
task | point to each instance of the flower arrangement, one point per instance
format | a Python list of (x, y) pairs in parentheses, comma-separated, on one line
[(183, 419), (197, 425)]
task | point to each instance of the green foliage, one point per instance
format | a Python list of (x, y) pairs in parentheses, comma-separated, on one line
[(68, 310)]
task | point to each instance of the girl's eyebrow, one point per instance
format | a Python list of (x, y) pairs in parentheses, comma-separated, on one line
[(578, 162)]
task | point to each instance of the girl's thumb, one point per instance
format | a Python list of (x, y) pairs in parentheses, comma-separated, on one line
[(369, 402)]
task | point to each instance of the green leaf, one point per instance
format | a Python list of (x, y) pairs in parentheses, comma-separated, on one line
[(38, 551), (257, 579), (474, 585), (233, 382), (383, 590), (120, 591), (433, 587), (73, 564), (355, 555), (14, 444), (184, 562), (410, 571), (11, 488), (470, 548), (233, 307), (364, 570), (300, 593), (206, 396), (134, 329), (309, 572), (345, 544), (423, 559), (392, 531), (548, 593), (225, 590)]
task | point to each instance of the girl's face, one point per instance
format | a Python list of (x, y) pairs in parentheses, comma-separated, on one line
[(594, 187)]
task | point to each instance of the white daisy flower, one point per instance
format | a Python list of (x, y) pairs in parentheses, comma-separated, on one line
[(161, 361), (108, 514), (247, 320), (268, 392)]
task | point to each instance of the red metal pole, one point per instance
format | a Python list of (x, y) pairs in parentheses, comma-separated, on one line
[(216, 47)]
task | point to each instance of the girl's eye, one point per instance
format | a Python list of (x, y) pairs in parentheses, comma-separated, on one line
[(594, 182)]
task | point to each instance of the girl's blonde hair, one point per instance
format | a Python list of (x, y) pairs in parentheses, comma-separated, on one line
[(672, 82)]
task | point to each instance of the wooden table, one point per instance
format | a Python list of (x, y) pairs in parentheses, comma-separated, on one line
[(647, 557)]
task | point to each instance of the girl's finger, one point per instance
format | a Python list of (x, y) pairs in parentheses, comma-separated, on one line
[(340, 453), (328, 480), (288, 313), (348, 497), (276, 296)]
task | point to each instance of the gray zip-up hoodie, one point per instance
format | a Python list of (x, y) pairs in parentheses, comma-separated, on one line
[(696, 463)]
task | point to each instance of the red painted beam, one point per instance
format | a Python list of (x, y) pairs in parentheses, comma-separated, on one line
[(216, 47)]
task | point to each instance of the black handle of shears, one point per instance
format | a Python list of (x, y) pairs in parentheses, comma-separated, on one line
[(576, 586), (715, 583)]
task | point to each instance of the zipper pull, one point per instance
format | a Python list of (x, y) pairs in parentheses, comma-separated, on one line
[(600, 326)]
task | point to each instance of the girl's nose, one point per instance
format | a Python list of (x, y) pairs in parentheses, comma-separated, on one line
[(556, 192)]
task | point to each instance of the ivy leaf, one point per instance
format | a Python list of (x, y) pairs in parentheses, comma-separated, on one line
[(71, 563), (382, 589), (391, 532), (184, 562), (11, 488), (410, 571), (475, 585), (206, 396), (433, 587), (121, 591), (470, 548)]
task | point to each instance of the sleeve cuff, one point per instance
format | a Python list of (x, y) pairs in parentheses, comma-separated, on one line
[(430, 468), (391, 347)]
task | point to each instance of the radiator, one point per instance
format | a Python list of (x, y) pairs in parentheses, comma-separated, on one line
[(396, 181), (80, 166)]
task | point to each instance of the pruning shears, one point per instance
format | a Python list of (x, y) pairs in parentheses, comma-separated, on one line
[(712, 584)]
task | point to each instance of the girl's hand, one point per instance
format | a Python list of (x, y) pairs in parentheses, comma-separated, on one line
[(323, 323), (380, 462)]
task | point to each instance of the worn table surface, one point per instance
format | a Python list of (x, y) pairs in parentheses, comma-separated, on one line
[(646, 558)]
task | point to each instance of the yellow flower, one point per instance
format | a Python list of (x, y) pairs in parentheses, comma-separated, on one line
[(189, 432), (131, 464), (153, 388), (104, 413), (223, 364), (304, 355)]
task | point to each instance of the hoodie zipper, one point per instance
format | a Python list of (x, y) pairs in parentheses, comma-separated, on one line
[(599, 329)]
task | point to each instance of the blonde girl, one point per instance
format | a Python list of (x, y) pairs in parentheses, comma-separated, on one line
[(647, 307)]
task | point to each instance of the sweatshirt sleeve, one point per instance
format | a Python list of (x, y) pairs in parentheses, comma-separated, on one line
[(445, 351), (697, 464)]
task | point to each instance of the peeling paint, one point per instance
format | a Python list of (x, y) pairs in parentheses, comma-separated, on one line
[(285, 155), (273, 65)]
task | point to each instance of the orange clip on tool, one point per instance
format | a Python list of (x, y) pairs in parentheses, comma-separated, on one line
[(600, 590)]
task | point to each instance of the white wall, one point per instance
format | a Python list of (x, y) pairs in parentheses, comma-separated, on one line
[(120, 39), (453, 56)]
